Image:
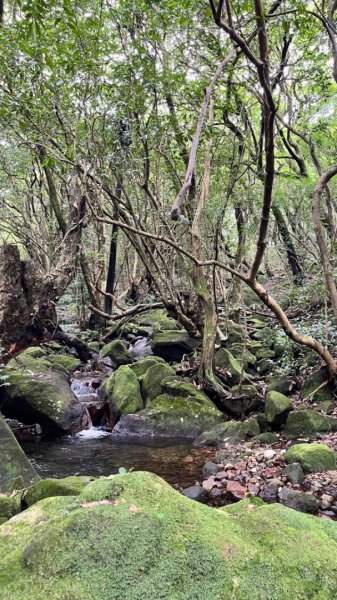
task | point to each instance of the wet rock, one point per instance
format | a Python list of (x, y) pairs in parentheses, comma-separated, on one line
[(277, 408), (210, 468), (44, 398), (195, 492), (294, 473), (313, 458), (300, 501)]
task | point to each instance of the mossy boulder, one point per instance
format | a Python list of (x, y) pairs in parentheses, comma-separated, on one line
[(170, 417), (69, 363), (266, 336), (313, 458), (133, 537), (310, 389), (44, 398), (8, 508), (231, 431), (142, 366), (47, 488), (33, 352), (242, 354), (267, 437), (13, 464), (225, 361), (153, 379), (122, 391), (173, 345), (283, 385), (117, 351), (243, 400), (306, 423), (277, 407)]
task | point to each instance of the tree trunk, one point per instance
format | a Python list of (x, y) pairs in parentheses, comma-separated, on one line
[(294, 264)]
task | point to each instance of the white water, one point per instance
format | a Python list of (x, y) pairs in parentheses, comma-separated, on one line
[(92, 433)]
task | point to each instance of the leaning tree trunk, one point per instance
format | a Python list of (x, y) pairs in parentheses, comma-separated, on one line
[(28, 297)]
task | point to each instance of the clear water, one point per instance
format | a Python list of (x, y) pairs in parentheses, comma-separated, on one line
[(94, 453)]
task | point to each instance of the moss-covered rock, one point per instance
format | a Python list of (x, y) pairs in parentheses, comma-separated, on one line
[(267, 437), (231, 431), (117, 351), (47, 488), (234, 369), (8, 508), (266, 335), (135, 537), (153, 379), (123, 392), (170, 417), (277, 408), (306, 423), (69, 363), (313, 458), (283, 385), (44, 398), (243, 400), (242, 354), (142, 366), (173, 345), (310, 389), (14, 463)]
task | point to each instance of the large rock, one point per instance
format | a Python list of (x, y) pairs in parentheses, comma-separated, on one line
[(233, 368), (171, 416), (297, 500), (243, 400), (117, 351), (277, 408), (232, 431), (306, 423), (122, 391), (44, 397), (47, 488), (310, 389), (133, 537), (153, 379), (173, 345), (313, 458), (13, 463), (142, 366)]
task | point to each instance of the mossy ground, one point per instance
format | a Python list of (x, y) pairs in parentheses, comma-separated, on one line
[(133, 537)]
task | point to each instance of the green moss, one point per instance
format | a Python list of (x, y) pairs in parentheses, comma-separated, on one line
[(152, 381), (124, 392), (229, 431), (69, 363), (280, 384), (313, 458), (137, 538), (13, 463), (266, 438), (313, 383), (117, 351), (46, 488), (307, 423), (277, 407), (8, 508), (142, 366)]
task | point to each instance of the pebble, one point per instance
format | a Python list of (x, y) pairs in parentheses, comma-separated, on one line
[(326, 501), (269, 454)]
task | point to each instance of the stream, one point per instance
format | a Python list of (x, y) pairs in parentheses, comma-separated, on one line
[(93, 453)]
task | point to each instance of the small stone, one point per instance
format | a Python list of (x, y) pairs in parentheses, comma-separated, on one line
[(210, 468), (326, 501), (293, 473), (229, 467), (274, 484), (269, 454), (195, 492), (236, 490)]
